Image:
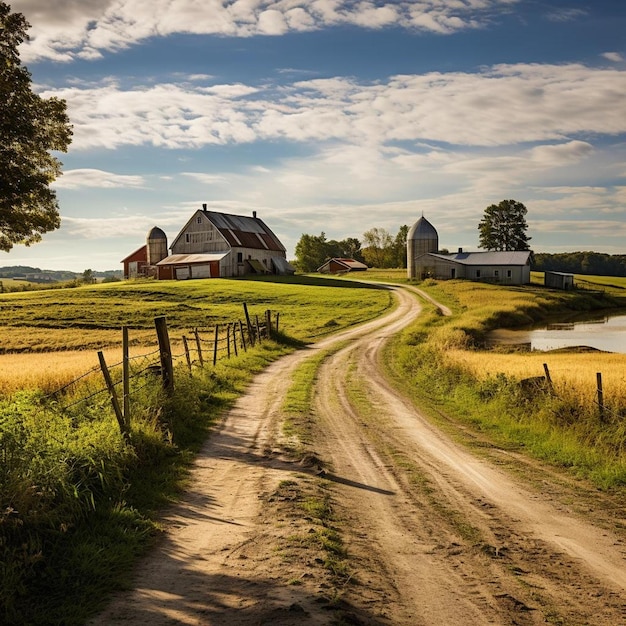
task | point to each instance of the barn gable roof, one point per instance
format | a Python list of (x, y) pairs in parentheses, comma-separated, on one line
[(239, 231)]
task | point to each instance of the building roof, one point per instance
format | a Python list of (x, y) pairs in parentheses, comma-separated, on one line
[(141, 254), (192, 259), (240, 231), (348, 264), (518, 257), (422, 229), (156, 233)]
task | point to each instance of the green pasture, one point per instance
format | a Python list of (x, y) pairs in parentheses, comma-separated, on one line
[(309, 306)]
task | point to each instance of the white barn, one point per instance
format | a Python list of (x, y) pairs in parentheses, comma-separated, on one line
[(213, 245)]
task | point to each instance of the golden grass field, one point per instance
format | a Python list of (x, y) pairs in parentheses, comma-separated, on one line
[(571, 372)]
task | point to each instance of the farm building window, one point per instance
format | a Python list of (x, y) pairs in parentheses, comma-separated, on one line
[(187, 238), (496, 273), (239, 257), (199, 219), (509, 273), (477, 273)]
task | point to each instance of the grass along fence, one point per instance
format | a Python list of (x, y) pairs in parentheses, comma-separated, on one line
[(82, 467), (201, 347)]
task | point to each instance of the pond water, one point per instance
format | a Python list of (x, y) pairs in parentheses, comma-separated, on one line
[(606, 333)]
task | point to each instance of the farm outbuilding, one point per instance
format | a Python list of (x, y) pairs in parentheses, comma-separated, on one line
[(135, 264), (559, 280), (509, 268), (341, 266), (212, 245)]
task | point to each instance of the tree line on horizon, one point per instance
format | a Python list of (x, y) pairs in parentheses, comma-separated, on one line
[(503, 227)]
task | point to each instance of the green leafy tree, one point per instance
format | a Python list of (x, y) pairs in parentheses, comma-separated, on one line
[(503, 227), (399, 247), (30, 128), (311, 251), (377, 247)]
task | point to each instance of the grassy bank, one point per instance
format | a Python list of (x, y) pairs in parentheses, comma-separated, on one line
[(443, 364), (78, 502)]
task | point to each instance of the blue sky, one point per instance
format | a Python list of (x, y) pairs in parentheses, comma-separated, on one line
[(332, 116)]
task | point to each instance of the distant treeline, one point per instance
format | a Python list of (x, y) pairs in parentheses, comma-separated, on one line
[(595, 263), (35, 274)]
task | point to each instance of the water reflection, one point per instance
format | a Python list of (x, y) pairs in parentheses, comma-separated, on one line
[(605, 333)]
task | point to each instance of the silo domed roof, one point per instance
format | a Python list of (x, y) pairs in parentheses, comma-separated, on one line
[(156, 233), (422, 229)]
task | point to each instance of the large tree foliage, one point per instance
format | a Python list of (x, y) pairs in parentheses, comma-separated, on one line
[(30, 127), (503, 227)]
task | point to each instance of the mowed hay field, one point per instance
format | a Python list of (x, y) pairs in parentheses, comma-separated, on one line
[(49, 337)]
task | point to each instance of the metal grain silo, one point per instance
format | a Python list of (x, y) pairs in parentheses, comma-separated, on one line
[(156, 244), (422, 239)]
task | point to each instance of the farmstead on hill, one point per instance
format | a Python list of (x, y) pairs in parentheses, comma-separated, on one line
[(424, 260), (210, 245)]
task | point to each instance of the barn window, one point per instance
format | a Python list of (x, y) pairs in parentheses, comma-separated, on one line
[(477, 273), (199, 219), (239, 257), (509, 273), (496, 273), (187, 238)]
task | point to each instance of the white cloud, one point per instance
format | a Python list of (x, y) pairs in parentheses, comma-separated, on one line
[(616, 57), (65, 29), (205, 179), (503, 105), (74, 179)]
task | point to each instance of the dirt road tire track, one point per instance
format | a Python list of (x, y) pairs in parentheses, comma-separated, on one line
[(430, 533)]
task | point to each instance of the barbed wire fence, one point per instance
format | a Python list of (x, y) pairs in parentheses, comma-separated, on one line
[(201, 348)]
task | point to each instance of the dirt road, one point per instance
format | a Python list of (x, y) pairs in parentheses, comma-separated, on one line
[(434, 535)]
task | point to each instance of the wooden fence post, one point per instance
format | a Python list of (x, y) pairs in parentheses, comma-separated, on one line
[(187, 355), (249, 323), (199, 347), (167, 365), (234, 326), (548, 378), (600, 396), (228, 340), (268, 323), (215, 342), (243, 339), (114, 401), (126, 376)]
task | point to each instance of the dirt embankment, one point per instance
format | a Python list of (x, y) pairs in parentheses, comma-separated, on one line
[(434, 535)]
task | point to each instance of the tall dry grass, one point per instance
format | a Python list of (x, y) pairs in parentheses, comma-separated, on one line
[(572, 373), (50, 371)]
